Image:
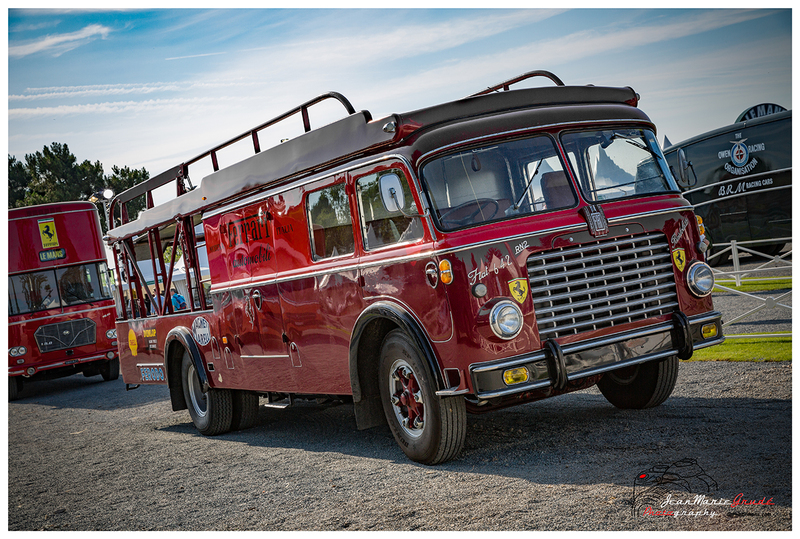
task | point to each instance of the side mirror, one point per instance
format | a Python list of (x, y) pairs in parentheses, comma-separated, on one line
[(392, 194), (683, 170)]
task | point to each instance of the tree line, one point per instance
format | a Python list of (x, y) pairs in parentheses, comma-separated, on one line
[(55, 175)]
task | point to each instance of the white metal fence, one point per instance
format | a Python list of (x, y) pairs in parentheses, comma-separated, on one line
[(773, 264)]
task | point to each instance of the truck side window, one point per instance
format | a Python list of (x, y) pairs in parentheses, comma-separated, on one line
[(329, 222), (380, 227)]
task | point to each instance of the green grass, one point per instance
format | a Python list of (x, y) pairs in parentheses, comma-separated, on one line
[(763, 349), (755, 285)]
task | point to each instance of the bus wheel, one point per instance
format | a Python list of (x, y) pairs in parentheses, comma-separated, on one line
[(212, 411), (245, 410), (640, 386), (14, 387), (110, 370), (428, 428)]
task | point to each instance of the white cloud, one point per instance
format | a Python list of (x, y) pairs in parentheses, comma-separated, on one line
[(60, 43)]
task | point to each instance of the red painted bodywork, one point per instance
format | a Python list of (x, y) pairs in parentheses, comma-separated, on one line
[(78, 232), (296, 337)]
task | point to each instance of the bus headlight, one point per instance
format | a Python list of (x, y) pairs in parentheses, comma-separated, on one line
[(505, 320), (111, 334), (17, 351), (700, 279)]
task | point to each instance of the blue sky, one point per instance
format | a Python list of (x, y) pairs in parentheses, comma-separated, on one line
[(152, 88)]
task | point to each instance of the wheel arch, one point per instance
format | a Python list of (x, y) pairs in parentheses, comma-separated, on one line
[(179, 339), (365, 343)]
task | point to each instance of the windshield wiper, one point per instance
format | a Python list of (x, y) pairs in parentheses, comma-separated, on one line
[(525, 191)]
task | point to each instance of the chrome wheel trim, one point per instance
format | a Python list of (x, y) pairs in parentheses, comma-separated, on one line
[(199, 401), (406, 398)]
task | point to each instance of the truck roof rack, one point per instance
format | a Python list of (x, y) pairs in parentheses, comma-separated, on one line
[(181, 171), (506, 85)]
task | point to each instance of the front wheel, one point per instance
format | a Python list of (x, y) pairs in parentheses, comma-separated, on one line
[(110, 370), (429, 429), (640, 386), (212, 411)]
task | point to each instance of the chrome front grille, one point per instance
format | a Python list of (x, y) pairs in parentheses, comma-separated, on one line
[(601, 284), (65, 335)]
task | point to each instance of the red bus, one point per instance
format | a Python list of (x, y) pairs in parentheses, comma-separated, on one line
[(61, 309), (511, 246)]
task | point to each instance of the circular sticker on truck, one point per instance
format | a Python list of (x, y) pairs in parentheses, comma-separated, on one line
[(201, 331)]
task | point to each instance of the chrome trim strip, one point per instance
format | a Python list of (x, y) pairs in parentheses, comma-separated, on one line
[(433, 253), (64, 363), (614, 366), (518, 360), (266, 357), (533, 234), (687, 207), (527, 387), (706, 344)]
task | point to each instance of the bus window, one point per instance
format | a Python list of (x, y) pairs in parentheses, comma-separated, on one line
[(330, 222)]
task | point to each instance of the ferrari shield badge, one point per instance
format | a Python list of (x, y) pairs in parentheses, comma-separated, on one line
[(679, 257), (518, 289)]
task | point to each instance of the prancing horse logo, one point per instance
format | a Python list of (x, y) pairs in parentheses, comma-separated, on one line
[(679, 257), (518, 289)]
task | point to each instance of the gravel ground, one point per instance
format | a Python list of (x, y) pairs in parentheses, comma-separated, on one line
[(87, 455)]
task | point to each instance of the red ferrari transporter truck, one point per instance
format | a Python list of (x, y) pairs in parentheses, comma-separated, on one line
[(507, 247)]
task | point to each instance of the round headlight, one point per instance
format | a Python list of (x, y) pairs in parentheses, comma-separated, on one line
[(17, 351), (506, 320), (700, 278), (111, 334), (13, 352)]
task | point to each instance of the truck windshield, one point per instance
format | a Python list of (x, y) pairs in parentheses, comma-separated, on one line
[(49, 289), (496, 182), (617, 163)]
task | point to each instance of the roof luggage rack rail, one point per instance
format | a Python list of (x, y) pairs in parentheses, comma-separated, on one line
[(505, 86), (181, 171)]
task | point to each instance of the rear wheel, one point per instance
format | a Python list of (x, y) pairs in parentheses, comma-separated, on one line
[(245, 410), (212, 411), (429, 429), (640, 386)]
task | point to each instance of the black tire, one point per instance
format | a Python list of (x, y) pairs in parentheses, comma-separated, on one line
[(110, 370), (14, 387), (245, 410), (428, 428), (212, 411), (640, 386)]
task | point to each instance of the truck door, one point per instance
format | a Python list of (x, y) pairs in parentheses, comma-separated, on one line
[(318, 279)]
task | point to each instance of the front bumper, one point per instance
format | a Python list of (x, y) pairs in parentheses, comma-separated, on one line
[(556, 365)]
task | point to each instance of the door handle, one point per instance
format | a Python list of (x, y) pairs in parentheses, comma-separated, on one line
[(256, 297)]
